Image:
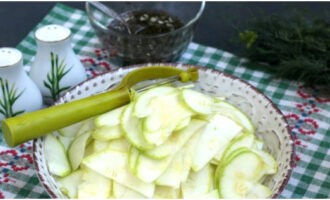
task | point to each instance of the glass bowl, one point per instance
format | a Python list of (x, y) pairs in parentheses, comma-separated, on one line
[(158, 31), (271, 126)]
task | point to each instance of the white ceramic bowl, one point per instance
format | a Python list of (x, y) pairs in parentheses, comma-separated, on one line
[(269, 121)]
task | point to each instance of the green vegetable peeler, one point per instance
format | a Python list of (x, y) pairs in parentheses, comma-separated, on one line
[(22, 128)]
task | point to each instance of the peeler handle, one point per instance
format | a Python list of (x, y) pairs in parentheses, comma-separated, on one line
[(22, 128)]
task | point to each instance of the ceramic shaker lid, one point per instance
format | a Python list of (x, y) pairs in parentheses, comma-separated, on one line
[(9, 56), (52, 33)]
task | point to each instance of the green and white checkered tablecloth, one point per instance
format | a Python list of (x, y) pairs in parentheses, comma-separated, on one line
[(307, 112)]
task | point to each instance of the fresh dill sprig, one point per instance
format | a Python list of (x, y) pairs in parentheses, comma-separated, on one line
[(293, 47)]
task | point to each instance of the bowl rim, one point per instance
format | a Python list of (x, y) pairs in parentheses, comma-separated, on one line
[(170, 64), (123, 34)]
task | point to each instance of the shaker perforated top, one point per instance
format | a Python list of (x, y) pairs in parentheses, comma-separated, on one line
[(52, 33), (9, 56)]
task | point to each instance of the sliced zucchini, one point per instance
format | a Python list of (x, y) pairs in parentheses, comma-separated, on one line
[(235, 114), (133, 155), (66, 141), (176, 140), (198, 183), (111, 118), (89, 150), (244, 140), (122, 192), (107, 133), (113, 164), (77, 149), (183, 123), (87, 126), (161, 151), (99, 145), (56, 157), (197, 101), (216, 134), (119, 145), (163, 192), (189, 148), (167, 113), (157, 137), (72, 130), (259, 191), (69, 184), (270, 163), (148, 169), (142, 103), (235, 180), (132, 128), (94, 185), (180, 166), (213, 194), (233, 154)]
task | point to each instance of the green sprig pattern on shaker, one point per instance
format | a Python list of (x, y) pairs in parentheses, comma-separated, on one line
[(8, 99), (58, 71)]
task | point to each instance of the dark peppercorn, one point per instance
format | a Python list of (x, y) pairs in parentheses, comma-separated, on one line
[(147, 23)]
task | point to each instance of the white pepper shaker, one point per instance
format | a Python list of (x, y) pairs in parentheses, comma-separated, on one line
[(18, 93), (56, 67)]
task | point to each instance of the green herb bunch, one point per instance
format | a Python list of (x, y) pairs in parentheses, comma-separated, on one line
[(293, 47)]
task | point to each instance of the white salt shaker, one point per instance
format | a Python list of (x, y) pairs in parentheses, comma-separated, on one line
[(56, 67), (18, 93)]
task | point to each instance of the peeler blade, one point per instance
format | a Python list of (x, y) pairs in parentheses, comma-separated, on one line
[(173, 81)]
